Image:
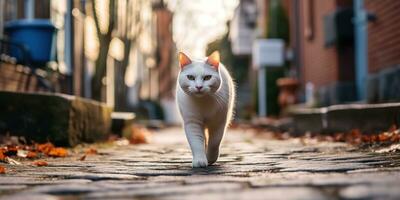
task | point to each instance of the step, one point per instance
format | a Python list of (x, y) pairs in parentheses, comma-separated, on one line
[(368, 118), (121, 122)]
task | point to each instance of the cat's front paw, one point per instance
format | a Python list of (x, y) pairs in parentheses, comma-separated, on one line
[(199, 162)]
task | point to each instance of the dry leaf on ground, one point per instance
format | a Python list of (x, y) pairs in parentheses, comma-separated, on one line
[(139, 135), (31, 154), (2, 170), (82, 158), (11, 161), (354, 137), (2, 156), (58, 152), (45, 148), (91, 151), (40, 163)]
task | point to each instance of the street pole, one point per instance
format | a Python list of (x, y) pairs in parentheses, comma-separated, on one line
[(266, 53), (262, 92), (360, 24)]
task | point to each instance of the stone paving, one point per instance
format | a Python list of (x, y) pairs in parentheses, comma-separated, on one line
[(250, 167)]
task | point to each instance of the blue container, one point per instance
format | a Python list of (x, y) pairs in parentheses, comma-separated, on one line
[(37, 35)]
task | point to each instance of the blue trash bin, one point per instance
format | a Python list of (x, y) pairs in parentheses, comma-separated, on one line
[(37, 35)]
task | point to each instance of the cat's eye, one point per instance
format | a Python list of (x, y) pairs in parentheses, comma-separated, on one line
[(207, 77), (190, 77)]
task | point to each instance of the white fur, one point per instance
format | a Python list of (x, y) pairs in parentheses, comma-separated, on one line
[(206, 115)]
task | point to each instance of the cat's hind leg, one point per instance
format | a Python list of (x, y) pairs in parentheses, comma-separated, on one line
[(196, 138), (214, 141)]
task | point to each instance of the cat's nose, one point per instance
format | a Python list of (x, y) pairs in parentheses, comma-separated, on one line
[(199, 87)]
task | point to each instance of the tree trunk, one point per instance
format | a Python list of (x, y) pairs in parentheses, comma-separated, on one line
[(101, 67), (104, 40)]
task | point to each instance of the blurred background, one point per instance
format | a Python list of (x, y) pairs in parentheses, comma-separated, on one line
[(283, 54)]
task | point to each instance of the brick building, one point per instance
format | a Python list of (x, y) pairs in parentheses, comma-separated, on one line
[(322, 61), (323, 39), (384, 51), (383, 35)]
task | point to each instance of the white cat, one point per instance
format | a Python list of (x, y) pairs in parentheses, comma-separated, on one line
[(205, 97)]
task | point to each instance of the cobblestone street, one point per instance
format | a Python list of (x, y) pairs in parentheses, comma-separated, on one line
[(250, 167)]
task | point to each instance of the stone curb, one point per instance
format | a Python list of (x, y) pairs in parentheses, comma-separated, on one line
[(62, 119), (368, 118)]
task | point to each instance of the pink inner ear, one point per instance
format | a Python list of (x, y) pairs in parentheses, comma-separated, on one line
[(213, 59), (183, 60)]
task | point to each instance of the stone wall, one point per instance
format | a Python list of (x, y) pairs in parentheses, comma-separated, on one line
[(62, 119), (383, 86)]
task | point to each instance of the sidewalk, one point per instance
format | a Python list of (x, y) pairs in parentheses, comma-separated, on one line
[(249, 168)]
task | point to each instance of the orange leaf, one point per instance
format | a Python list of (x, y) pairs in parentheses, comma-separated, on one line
[(355, 133), (40, 163), (82, 158), (139, 135), (45, 148), (366, 138), (91, 151), (382, 137), (31, 154), (374, 138), (58, 152), (2, 170), (2, 156)]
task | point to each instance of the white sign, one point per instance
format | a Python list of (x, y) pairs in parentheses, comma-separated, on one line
[(268, 53)]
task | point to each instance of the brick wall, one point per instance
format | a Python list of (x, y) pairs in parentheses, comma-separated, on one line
[(383, 34), (318, 62), (167, 72)]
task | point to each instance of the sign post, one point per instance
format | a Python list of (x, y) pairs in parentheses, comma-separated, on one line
[(266, 53), (262, 92)]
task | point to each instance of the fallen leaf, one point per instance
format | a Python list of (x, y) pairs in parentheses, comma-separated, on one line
[(2, 170), (11, 161), (45, 148), (58, 152), (31, 154), (139, 135), (383, 137), (374, 138), (2, 156), (91, 151), (40, 163), (82, 158)]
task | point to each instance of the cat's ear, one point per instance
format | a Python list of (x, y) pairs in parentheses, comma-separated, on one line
[(213, 59), (183, 60)]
